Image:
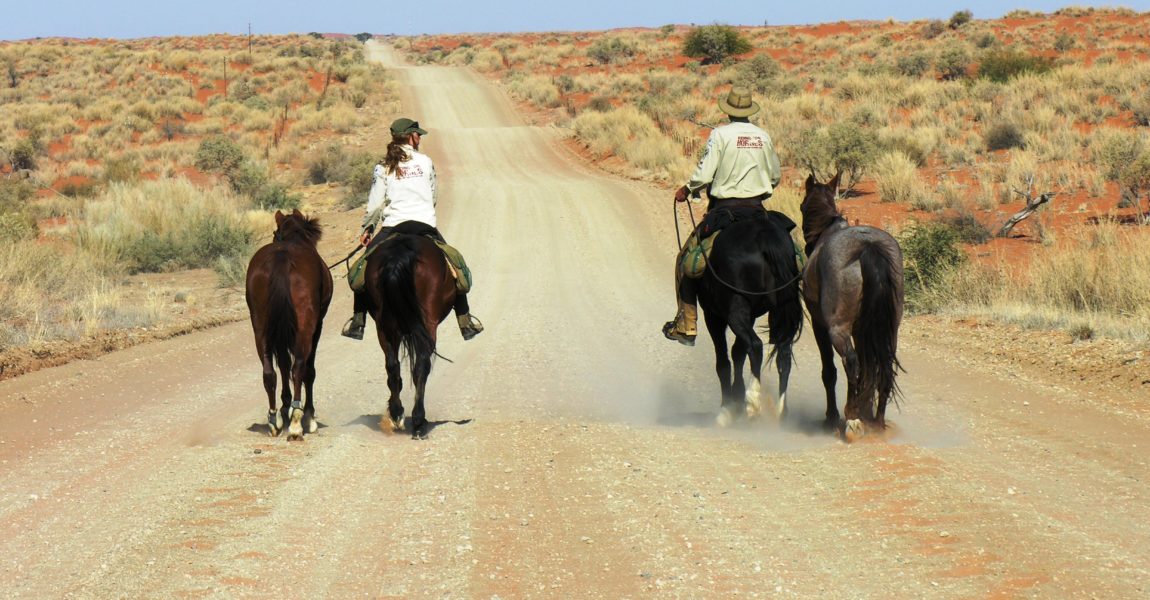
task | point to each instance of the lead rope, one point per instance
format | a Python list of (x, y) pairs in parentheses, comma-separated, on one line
[(707, 263)]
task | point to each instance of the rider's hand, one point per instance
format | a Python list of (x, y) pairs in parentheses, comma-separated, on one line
[(681, 194), (365, 237)]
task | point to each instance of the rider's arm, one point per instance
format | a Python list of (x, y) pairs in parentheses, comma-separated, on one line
[(708, 164), (434, 187), (773, 169), (376, 198)]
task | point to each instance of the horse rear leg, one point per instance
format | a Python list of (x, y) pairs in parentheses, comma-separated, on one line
[(299, 372), (717, 327), (747, 343), (310, 422), (283, 359), (270, 387), (420, 371), (843, 343), (830, 373), (394, 419), (784, 356)]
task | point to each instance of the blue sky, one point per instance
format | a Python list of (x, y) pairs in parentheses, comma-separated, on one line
[(21, 19)]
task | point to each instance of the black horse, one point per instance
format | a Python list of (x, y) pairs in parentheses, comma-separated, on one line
[(751, 272), (411, 291), (853, 287)]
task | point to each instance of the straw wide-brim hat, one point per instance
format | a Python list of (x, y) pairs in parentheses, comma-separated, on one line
[(738, 103)]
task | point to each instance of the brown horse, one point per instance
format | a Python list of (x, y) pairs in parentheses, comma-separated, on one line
[(853, 288), (411, 291), (288, 291)]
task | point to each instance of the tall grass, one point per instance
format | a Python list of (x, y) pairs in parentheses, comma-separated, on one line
[(164, 226)]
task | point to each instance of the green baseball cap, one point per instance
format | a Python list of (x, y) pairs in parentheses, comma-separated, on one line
[(405, 126)]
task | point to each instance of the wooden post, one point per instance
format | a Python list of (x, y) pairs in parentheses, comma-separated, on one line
[(225, 78), (249, 43)]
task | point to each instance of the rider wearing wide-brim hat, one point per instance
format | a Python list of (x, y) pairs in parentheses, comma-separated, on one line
[(402, 200), (740, 170)]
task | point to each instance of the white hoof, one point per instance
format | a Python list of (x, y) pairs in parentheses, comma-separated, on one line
[(295, 428), (396, 424), (273, 426), (725, 418), (312, 425), (754, 398), (781, 407), (855, 431)]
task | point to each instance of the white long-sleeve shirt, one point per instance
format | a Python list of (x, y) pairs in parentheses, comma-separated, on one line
[(409, 194), (738, 162)]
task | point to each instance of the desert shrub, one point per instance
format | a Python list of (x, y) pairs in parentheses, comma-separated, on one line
[(913, 65), (23, 155), (275, 196), (842, 147), (123, 168), (191, 228), (758, 72), (248, 178), (218, 154), (612, 50), (231, 270), (1116, 151), (1002, 65), (1064, 42), (714, 43), (960, 18), (1004, 135), (933, 29), (360, 177), (599, 104), (897, 178), (931, 252), (363, 37), (986, 40), (330, 164), (952, 63)]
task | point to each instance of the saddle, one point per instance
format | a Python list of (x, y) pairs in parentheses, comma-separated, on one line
[(357, 271), (699, 245)]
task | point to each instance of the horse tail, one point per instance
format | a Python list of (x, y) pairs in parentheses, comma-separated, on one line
[(281, 322), (399, 257), (785, 318), (876, 335)]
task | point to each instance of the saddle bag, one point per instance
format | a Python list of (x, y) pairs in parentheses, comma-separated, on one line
[(695, 257)]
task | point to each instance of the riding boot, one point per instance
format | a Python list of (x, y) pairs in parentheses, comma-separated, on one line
[(469, 326), (683, 328), (355, 326)]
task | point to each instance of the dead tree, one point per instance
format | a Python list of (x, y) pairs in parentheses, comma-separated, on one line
[(1032, 205)]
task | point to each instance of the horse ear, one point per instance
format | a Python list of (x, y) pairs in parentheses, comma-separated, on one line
[(834, 182), (279, 218), (296, 213), (811, 181)]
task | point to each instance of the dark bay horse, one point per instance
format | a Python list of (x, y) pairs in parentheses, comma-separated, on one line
[(288, 291), (751, 272), (411, 291), (853, 287)]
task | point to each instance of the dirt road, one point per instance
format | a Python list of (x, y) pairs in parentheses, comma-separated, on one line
[(573, 455)]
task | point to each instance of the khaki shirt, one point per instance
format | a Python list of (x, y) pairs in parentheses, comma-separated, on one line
[(738, 162)]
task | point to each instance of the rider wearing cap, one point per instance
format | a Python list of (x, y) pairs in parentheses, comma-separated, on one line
[(740, 170), (403, 196)]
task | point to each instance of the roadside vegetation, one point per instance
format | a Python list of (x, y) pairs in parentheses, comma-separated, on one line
[(947, 123), (121, 158)]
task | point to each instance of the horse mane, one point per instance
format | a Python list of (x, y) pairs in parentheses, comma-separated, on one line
[(819, 212), (296, 226)]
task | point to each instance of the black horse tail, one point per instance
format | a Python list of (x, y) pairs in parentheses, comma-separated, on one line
[(399, 257), (281, 317), (785, 319), (876, 335)]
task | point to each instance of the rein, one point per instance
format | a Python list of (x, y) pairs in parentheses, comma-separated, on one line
[(346, 258), (711, 270)]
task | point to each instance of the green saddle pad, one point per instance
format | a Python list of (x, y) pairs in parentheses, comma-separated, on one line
[(356, 271), (695, 258)]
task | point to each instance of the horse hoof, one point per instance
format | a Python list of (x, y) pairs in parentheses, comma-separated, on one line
[(312, 425), (395, 424), (855, 431), (295, 437), (754, 399), (419, 435), (725, 418), (273, 431)]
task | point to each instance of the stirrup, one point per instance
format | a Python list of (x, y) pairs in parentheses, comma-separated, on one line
[(671, 333), (473, 328), (354, 327)]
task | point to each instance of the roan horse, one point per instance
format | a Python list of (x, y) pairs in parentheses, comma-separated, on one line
[(411, 291), (751, 272), (853, 287), (288, 291)]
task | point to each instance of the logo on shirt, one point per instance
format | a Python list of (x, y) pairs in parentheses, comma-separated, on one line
[(409, 172), (750, 142)]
